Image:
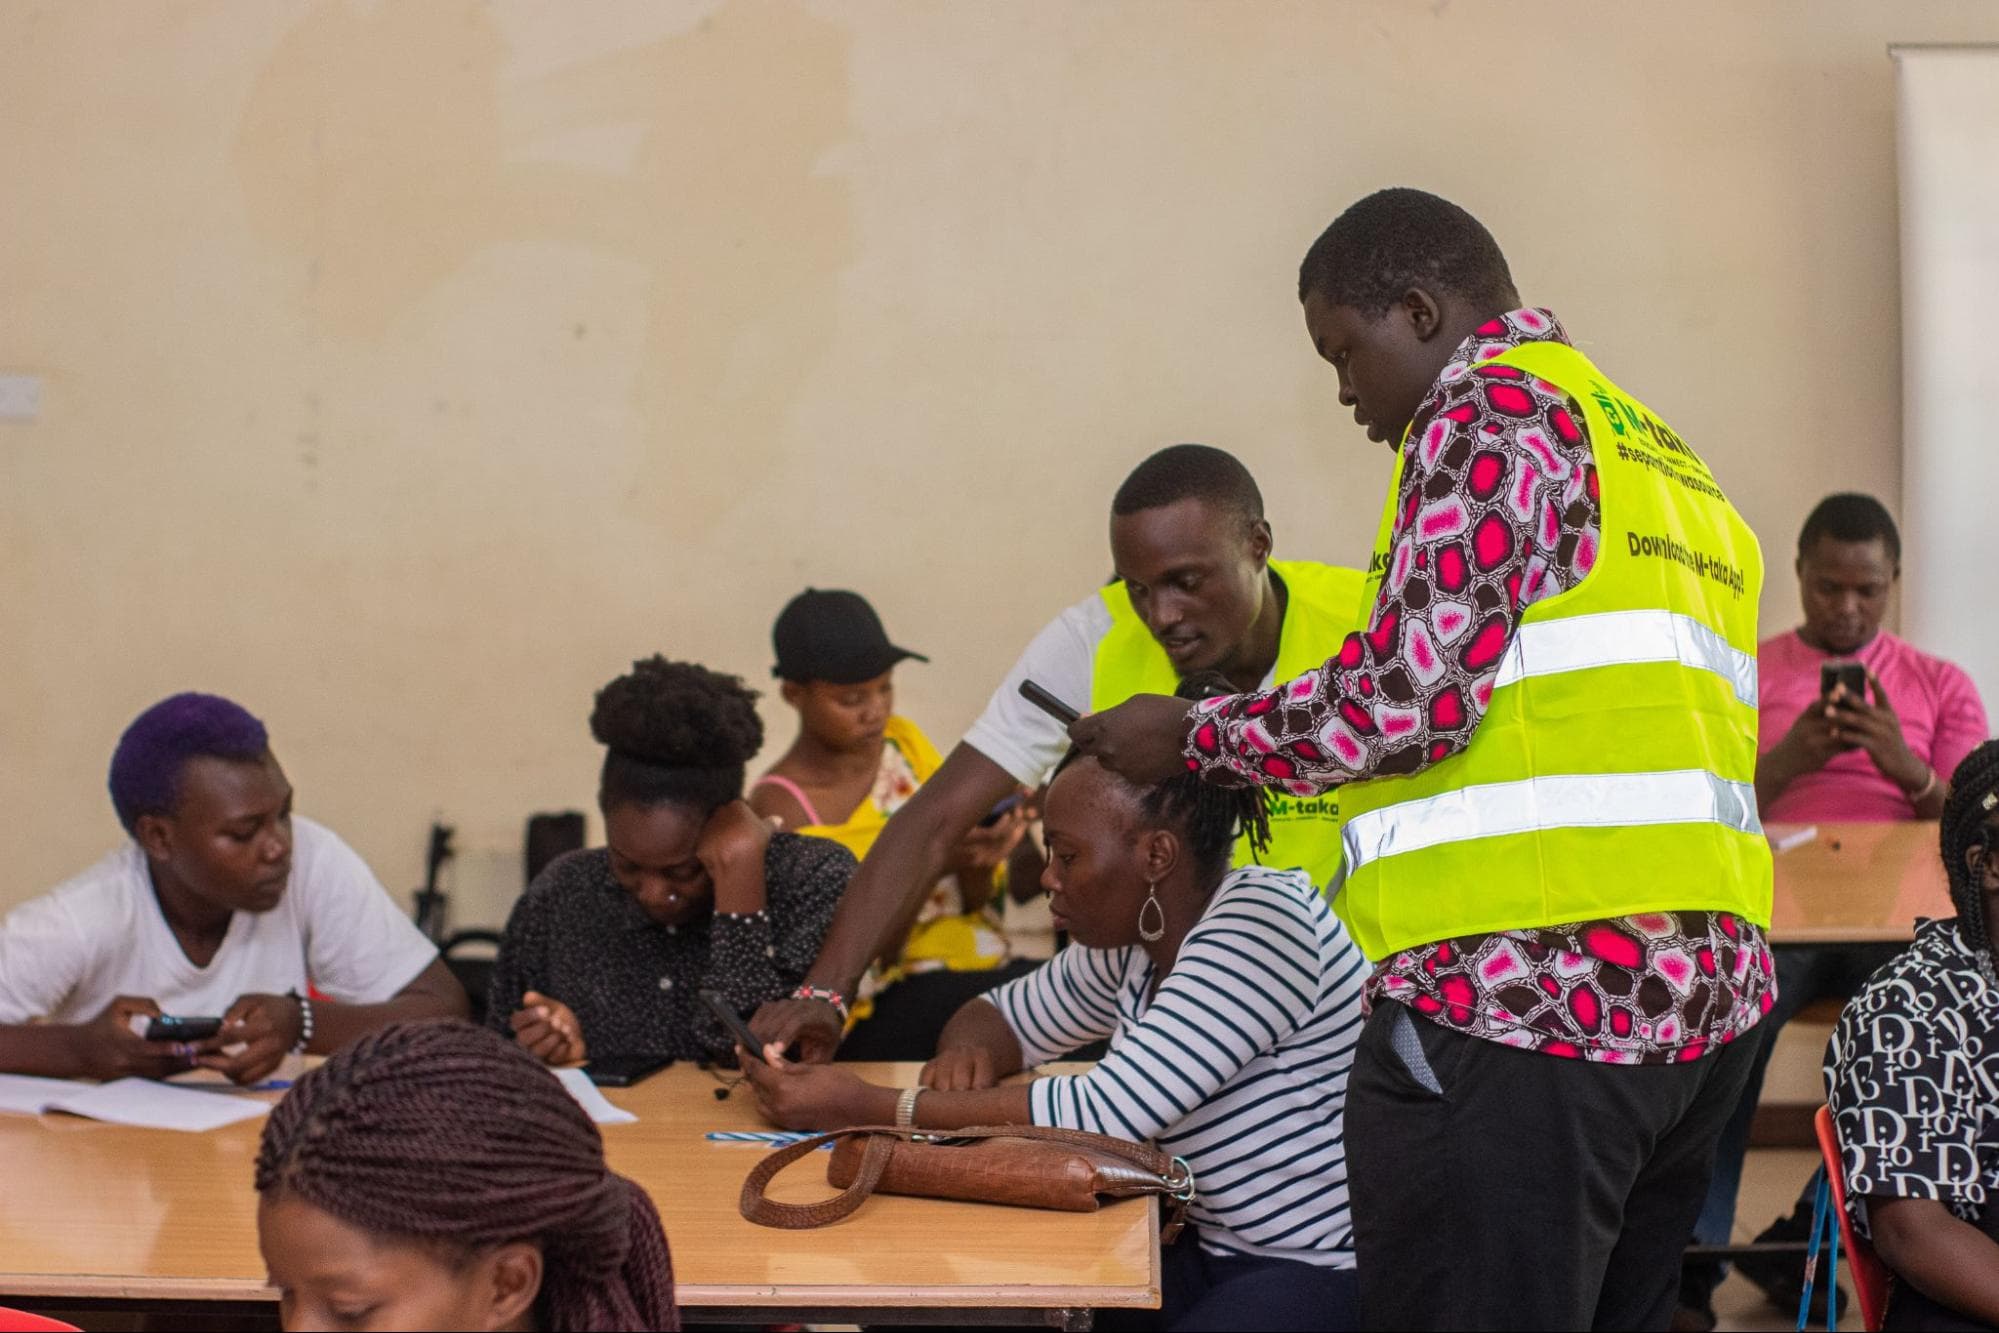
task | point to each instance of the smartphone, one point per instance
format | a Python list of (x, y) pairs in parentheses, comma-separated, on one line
[(168, 1027), (1048, 703), (733, 1021), (994, 815), (1853, 675), (621, 1071)]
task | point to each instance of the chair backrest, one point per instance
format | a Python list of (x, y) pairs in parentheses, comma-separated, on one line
[(1870, 1276), (20, 1321)]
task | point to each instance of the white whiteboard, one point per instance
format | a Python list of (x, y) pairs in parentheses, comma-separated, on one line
[(1947, 133)]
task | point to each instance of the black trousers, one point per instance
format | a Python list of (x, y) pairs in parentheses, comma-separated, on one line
[(1498, 1188), (1205, 1293)]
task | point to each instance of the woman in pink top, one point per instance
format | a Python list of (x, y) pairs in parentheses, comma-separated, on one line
[(1843, 757)]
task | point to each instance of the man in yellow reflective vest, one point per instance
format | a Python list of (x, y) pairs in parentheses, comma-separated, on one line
[(1197, 592), (1546, 742)]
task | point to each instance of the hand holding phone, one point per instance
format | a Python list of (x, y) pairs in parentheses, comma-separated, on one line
[(1048, 703), (174, 1027), (733, 1022), (1852, 676)]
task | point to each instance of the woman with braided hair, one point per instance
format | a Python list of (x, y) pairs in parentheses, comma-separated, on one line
[(1912, 1076), (1231, 1000), (606, 952), (435, 1176)]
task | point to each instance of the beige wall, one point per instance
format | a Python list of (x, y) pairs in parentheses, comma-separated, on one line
[(412, 367)]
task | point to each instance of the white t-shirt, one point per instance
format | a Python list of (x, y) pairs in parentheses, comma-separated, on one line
[(1061, 659), (66, 955)]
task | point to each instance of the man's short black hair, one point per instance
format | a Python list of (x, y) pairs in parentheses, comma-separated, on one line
[(1852, 517), (1397, 239), (1190, 471)]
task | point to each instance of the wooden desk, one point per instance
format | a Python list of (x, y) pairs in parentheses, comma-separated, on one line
[(1858, 883), (99, 1216)]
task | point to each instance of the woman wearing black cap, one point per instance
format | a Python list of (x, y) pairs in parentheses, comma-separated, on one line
[(854, 763)]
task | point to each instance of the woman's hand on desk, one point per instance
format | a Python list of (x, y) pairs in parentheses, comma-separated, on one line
[(548, 1030), (801, 1096), (960, 1069)]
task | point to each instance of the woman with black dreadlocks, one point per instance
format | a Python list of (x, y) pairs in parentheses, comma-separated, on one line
[(1912, 1076), (1231, 1001)]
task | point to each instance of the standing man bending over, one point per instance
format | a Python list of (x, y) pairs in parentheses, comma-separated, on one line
[(221, 904), (1552, 850), (1197, 591)]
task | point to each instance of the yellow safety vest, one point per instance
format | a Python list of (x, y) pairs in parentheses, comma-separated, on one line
[(1614, 770), (1318, 615)]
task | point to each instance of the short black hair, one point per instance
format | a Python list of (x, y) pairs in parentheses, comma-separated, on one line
[(1852, 517), (1397, 239), (675, 733), (1190, 471)]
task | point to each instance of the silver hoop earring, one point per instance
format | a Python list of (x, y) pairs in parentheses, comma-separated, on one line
[(1158, 913)]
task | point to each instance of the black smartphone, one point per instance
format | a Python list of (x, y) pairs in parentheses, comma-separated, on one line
[(621, 1071), (998, 812), (1853, 675), (170, 1027), (733, 1021), (1048, 703)]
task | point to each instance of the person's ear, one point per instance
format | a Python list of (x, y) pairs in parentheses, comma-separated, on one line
[(1974, 859), (1260, 543), (1423, 313), (1159, 852), (791, 692), (155, 835), (513, 1282)]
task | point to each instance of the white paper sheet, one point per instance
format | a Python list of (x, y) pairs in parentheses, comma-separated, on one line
[(128, 1101), (591, 1100)]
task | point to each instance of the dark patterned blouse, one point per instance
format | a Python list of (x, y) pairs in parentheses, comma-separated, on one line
[(578, 937)]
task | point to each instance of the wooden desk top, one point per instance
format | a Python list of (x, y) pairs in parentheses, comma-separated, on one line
[(96, 1210), (1857, 883)]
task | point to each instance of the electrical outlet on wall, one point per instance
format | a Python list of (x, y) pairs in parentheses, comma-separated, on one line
[(20, 397)]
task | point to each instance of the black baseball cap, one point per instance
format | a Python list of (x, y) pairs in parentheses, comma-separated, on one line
[(835, 636)]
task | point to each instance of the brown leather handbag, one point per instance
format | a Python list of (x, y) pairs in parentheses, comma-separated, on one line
[(1028, 1166)]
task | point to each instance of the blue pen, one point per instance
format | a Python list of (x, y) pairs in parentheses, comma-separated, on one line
[(763, 1138)]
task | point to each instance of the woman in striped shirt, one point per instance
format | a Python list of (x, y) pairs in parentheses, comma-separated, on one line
[(1231, 1001)]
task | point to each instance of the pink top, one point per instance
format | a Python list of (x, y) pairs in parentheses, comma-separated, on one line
[(1942, 719)]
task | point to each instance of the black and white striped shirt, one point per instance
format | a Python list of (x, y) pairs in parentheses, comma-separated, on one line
[(1238, 1065)]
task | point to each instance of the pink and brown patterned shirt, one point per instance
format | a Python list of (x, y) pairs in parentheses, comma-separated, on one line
[(1498, 509)]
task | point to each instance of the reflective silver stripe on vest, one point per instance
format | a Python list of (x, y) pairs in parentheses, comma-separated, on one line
[(1625, 638), (1569, 800)]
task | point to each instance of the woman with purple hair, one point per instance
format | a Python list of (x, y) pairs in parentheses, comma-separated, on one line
[(221, 904)]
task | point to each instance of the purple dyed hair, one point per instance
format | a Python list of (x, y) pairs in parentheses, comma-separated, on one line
[(146, 767)]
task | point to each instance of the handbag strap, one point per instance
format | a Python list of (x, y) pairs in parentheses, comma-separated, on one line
[(1176, 1179)]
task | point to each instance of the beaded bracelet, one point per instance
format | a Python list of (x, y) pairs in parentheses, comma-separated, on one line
[(304, 1022), (831, 997)]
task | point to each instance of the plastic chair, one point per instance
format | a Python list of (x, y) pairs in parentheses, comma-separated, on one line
[(20, 1321), (1870, 1276)]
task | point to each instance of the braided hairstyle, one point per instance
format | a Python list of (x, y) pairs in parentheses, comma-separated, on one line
[(451, 1135), (1974, 795), (675, 733), (1209, 817)]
